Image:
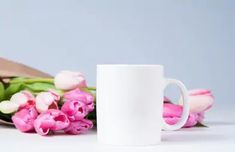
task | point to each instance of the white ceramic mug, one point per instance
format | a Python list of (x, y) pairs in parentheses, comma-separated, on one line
[(130, 104)]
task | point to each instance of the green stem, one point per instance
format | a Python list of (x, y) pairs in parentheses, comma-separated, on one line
[(33, 80), (91, 88), (43, 80)]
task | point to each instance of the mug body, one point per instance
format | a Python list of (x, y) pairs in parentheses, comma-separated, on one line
[(129, 104)]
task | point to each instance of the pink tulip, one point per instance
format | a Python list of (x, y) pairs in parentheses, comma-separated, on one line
[(75, 110), (78, 127), (47, 100), (67, 80), (200, 100), (20, 100), (172, 114), (51, 120), (23, 120), (78, 95)]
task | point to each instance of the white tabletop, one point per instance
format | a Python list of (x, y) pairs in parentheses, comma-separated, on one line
[(220, 135)]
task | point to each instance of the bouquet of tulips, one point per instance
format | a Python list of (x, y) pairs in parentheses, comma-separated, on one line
[(65, 103), (47, 105)]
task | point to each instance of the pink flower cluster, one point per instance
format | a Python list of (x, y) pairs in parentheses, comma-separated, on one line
[(42, 113), (200, 100)]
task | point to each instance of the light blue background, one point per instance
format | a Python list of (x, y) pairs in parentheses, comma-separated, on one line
[(193, 39)]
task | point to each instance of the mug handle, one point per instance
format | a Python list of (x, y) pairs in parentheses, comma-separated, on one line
[(185, 112)]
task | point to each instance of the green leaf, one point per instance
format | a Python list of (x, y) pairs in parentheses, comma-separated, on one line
[(17, 80), (5, 117), (12, 89), (34, 86), (32, 80), (92, 116), (2, 91), (39, 87)]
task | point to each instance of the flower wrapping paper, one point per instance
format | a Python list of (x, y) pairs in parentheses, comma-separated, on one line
[(11, 69)]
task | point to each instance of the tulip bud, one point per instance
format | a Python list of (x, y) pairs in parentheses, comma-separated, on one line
[(8, 107), (200, 100), (78, 127), (23, 120), (23, 98), (81, 96), (67, 80), (47, 100), (51, 120), (75, 110), (172, 114)]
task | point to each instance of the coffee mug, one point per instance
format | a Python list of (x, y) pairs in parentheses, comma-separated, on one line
[(130, 104)]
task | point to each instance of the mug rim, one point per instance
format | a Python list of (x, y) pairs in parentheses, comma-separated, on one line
[(130, 65)]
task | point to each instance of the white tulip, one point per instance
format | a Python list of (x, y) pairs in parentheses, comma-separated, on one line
[(19, 98), (67, 80), (22, 98), (45, 100), (8, 107)]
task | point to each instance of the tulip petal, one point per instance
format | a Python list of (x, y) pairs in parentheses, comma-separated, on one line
[(8, 107), (78, 95), (23, 120), (196, 92), (67, 80), (51, 120), (200, 100), (172, 114), (172, 110), (23, 98), (47, 100), (78, 127), (75, 110)]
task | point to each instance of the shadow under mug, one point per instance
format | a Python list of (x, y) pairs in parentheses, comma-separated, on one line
[(130, 104)]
